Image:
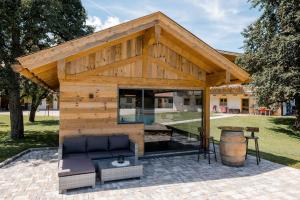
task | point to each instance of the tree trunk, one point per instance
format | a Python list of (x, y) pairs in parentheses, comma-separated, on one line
[(16, 115), (32, 113), (297, 102), (36, 101)]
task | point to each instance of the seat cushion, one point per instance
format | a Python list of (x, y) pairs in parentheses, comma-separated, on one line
[(75, 155), (124, 152), (74, 145), (99, 155), (97, 143), (117, 142), (75, 166)]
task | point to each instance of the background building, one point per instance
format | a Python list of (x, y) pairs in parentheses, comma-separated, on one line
[(233, 99)]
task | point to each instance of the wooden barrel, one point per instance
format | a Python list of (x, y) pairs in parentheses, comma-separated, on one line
[(233, 147)]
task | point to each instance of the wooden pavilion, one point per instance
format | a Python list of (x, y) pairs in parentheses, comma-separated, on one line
[(149, 52)]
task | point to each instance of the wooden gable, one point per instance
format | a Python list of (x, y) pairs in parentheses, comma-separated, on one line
[(125, 59), (152, 47)]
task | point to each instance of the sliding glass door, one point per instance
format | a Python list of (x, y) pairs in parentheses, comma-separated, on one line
[(171, 117)]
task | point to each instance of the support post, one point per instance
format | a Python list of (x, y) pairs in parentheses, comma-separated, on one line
[(206, 115), (61, 74), (146, 41)]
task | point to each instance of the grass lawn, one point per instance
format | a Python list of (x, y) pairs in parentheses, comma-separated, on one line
[(279, 142), (42, 133)]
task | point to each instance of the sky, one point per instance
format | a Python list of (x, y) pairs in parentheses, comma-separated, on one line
[(219, 23)]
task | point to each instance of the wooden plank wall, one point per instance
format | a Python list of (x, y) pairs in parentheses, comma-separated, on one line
[(91, 108), (88, 101), (133, 68)]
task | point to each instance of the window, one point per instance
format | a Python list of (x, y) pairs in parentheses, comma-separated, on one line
[(149, 106), (163, 102), (198, 101), (129, 99), (223, 102), (186, 101)]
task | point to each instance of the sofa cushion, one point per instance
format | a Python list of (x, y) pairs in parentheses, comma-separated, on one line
[(97, 143), (117, 142), (74, 145), (99, 155), (75, 155), (125, 152), (75, 166)]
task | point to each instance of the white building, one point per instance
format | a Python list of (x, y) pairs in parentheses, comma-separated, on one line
[(232, 99)]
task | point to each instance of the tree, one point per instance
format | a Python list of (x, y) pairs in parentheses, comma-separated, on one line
[(36, 93), (27, 26), (271, 52)]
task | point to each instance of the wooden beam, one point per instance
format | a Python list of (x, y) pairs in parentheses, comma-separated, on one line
[(44, 68), (73, 47), (227, 77), (201, 47), (186, 53), (176, 71), (17, 67), (105, 45), (61, 69), (141, 82), (157, 31), (99, 69), (27, 74), (217, 78), (206, 114), (146, 43)]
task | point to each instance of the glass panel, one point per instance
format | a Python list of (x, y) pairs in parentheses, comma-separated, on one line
[(130, 106), (161, 109), (149, 107)]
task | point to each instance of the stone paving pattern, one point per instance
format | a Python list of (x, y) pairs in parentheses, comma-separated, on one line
[(34, 176)]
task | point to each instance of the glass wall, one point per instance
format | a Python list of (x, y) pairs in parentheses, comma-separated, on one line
[(168, 107), (171, 117)]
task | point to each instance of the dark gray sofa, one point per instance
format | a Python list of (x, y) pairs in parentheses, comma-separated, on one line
[(98, 147), (78, 155)]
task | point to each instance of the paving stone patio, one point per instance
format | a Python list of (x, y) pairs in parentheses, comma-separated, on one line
[(34, 176)]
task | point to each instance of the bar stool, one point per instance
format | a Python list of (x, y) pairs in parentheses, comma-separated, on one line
[(206, 151), (255, 138)]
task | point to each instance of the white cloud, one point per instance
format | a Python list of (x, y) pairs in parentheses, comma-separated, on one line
[(99, 25), (217, 10)]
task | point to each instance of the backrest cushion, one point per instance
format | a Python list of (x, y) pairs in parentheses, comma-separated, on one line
[(97, 143), (74, 145), (118, 142)]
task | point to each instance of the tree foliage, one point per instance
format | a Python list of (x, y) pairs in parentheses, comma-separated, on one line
[(272, 51), (27, 26)]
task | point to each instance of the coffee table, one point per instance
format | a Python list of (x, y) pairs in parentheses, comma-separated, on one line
[(108, 172)]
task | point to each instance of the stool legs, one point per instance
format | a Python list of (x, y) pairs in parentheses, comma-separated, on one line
[(246, 148), (213, 142), (257, 153), (207, 151)]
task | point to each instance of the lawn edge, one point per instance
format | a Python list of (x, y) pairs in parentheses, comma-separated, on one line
[(15, 157)]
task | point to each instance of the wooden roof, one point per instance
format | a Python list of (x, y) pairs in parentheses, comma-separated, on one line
[(41, 67)]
